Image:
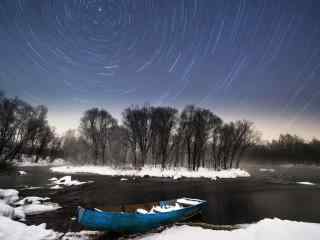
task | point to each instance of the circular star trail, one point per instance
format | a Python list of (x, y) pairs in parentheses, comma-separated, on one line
[(244, 59)]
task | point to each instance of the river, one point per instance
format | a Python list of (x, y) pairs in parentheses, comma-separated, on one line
[(230, 201)]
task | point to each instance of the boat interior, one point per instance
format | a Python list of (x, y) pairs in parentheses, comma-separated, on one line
[(152, 207)]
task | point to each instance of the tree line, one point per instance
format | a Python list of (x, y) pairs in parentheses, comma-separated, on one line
[(147, 135), (159, 136), (287, 148), (24, 129)]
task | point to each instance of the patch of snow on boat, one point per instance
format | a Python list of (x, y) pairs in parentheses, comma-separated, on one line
[(189, 201), (168, 208)]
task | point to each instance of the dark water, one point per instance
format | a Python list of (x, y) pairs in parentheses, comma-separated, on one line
[(230, 201)]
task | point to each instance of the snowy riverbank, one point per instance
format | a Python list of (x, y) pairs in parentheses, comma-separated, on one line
[(265, 229), (174, 173)]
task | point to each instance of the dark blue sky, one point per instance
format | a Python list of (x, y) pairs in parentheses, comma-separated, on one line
[(252, 59)]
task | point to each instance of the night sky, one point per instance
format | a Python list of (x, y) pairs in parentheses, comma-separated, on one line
[(258, 60)]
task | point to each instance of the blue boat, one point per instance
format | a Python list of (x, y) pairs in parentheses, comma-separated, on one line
[(141, 217)]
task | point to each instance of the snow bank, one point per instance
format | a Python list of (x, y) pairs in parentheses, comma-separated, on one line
[(153, 172), (306, 183), (38, 208), (82, 235), (26, 206), (6, 210), (66, 181), (31, 200), (9, 196), (35, 205), (13, 230), (263, 230)]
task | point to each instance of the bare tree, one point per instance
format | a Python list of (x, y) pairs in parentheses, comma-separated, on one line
[(88, 129), (163, 121), (104, 124), (138, 123)]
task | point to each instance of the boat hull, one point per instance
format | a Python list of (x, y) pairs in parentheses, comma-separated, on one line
[(134, 222)]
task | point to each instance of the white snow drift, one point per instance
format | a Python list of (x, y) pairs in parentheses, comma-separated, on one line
[(12, 208), (263, 230), (9, 196), (13, 230), (153, 172)]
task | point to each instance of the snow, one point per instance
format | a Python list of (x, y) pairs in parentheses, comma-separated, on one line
[(306, 183), (265, 229), (66, 181), (27, 206), (168, 208), (266, 170), (37, 208), (13, 230), (175, 173), (9, 195), (31, 188), (189, 201), (142, 211), (56, 187), (31, 200), (82, 235), (22, 172), (6, 210), (124, 179)]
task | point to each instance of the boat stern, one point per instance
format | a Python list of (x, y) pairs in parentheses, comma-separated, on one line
[(80, 211)]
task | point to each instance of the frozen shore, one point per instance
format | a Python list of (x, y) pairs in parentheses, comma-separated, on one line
[(174, 173)]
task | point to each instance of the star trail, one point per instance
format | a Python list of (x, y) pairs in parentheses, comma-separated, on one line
[(253, 59)]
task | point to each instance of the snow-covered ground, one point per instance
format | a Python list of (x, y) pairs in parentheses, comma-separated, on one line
[(175, 173), (14, 230), (12, 208), (263, 230), (9, 196)]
